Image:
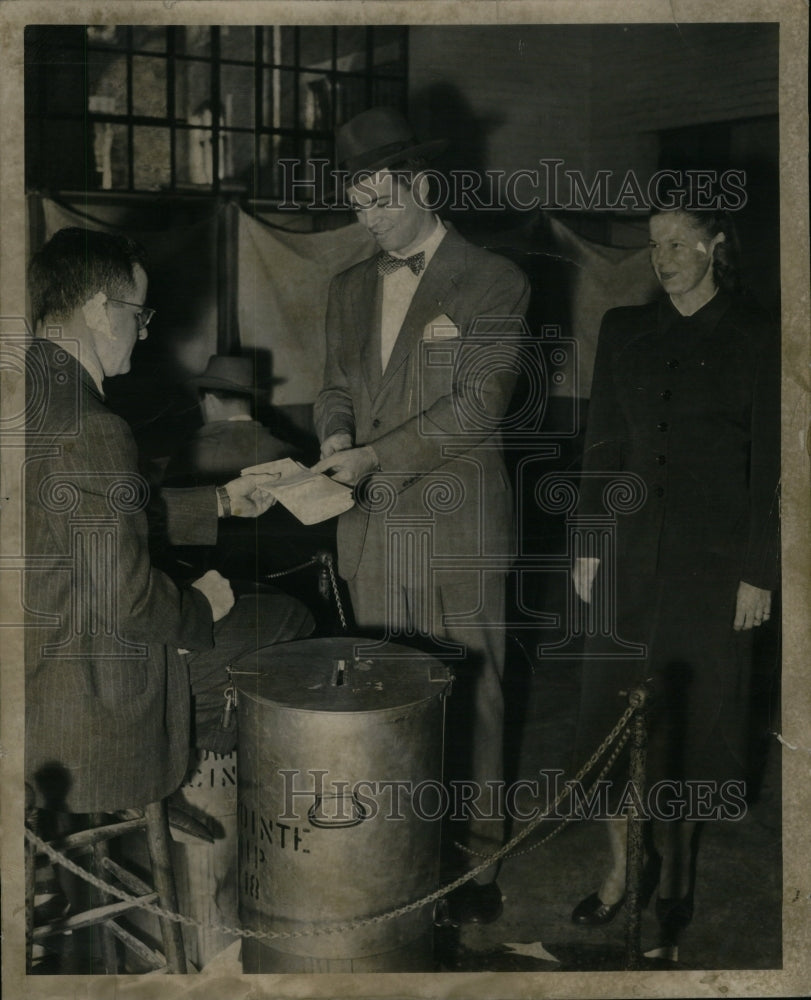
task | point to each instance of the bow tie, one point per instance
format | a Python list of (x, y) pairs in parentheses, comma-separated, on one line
[(386, 264)]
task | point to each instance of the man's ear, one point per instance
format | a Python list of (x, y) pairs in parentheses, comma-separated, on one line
[(208, 407), (421, 189), (95, 314)]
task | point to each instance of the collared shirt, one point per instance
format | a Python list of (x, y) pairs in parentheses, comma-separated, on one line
[(398, 291)]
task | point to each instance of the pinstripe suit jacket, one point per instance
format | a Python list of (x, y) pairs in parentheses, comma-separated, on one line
[(107, 693)]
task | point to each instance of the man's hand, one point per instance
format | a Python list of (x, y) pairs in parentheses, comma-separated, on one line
[(248, 496), (335, 442), (754, 606), (583, 573), (218, 593), (350, 466)]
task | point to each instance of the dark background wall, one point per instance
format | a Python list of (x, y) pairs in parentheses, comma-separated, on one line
[(596, 96)]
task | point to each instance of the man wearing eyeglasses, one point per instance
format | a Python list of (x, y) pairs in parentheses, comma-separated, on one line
[(124, 669)]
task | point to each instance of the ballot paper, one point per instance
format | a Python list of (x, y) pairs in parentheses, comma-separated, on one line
[(310, 496)]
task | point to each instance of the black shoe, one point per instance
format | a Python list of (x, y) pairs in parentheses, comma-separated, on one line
[(474, 903), (593, 912)]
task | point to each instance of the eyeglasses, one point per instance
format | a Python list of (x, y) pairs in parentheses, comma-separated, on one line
[(142, 317)]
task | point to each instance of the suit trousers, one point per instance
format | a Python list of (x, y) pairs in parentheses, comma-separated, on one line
[(458, 617)]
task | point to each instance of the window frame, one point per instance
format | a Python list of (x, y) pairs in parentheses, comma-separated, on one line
[(267, 186)]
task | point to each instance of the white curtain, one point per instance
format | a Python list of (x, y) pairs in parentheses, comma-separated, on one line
[(282, 297)]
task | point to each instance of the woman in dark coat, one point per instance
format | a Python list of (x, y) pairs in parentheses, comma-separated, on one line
[(686, 397)]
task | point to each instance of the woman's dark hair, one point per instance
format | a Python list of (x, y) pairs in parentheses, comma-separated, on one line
[(726, 255), (75, 264)]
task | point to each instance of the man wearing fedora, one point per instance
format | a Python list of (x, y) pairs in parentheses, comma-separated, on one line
[(230, 439), (387, 415)]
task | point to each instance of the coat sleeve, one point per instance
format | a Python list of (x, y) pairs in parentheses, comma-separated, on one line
[(333, 412), (602, 448), (146, 604), (496, 301), (761, 560), (191, 515)]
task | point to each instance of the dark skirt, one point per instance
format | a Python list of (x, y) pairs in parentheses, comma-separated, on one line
[(699, 669)]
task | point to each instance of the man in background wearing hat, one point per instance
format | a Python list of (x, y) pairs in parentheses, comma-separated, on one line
[(230, 439), (385, 412)]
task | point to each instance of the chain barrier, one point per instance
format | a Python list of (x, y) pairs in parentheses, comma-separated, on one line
[(326, 561), (293, 569), (433, 897), (336, 593), (565, 821)]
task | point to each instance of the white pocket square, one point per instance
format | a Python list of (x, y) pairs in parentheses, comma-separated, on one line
[(440, 328)]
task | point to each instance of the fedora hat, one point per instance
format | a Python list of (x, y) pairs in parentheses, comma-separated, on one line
[(232, 374), (376, 138)]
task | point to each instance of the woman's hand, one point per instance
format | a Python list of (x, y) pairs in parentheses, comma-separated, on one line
[(754, 606)]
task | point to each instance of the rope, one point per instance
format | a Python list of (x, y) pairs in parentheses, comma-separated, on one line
[(60, 859)]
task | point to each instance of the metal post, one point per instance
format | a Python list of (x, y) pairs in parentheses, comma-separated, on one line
[(638, 699)]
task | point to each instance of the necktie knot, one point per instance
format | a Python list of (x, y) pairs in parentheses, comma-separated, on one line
[(386, 264)]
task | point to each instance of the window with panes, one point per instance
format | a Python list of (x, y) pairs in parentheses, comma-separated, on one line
[(198, 108)]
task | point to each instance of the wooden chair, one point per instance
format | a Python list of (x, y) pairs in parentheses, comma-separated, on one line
[(94, 841)]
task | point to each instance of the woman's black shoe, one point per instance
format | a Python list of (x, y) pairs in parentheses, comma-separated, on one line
[(592, 911)]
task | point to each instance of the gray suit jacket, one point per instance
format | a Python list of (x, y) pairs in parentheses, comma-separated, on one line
[(435, 410), (107, 693)]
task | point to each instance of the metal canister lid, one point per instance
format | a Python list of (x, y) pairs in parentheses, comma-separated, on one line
[(340, 675)]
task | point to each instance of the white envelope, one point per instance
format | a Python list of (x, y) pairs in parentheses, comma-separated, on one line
[(310, 496)]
